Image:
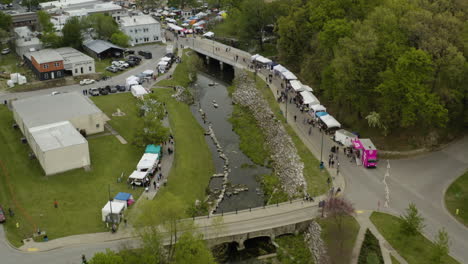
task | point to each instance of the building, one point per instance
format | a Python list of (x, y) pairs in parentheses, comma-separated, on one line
[(141, 29), (76, 63), (59, 147), (102, 49), (54, 126), (26, 41), (46, 64), (25, 19)]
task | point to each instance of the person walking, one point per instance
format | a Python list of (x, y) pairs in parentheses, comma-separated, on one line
[(154, 184), (55, 203), (295, 118)]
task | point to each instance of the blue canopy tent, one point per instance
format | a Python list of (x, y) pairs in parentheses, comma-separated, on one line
[(319, 114), (155, 149), (125, 198)]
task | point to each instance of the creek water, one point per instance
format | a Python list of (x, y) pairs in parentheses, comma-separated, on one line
[(243, 171)]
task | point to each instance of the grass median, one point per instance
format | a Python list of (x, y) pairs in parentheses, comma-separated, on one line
[(80, 194), (340, 243), (415, 249), (456, 199)]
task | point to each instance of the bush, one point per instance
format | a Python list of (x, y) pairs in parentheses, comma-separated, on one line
[(370, 250)]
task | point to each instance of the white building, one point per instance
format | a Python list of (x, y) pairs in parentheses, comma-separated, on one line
[(76, 62), (52, 124), (141, 29), (26, 41)]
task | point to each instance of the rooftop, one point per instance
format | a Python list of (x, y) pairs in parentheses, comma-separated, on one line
[(56, 135), (44, 56), (47, 109), (99, 46), (71, 55), (137, 21)]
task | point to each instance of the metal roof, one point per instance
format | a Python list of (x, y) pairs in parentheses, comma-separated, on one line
[(71, 55), (47, 109), (45, 56), (56, 135), (99, 45)]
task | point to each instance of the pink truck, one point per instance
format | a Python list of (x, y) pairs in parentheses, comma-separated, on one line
[(367, 152)]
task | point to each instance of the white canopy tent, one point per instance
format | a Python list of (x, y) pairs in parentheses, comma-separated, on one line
[(279, 68), (318, 108), (288, 75), (330, 121), (254, 57), (308, 98), (138, 175), (262, 60), (138, 90), (115, 207), (130, 81), (147, 162), (209, 34), (307, 88), (174, 27), (296, 85)]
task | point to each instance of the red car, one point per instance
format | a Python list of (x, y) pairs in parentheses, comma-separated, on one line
[(2, 215)]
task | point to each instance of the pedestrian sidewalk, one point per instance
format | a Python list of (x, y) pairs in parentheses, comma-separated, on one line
[(387, 250)]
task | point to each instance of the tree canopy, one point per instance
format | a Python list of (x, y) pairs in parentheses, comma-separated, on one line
[(5, 21), (404, 61), (72, 33)]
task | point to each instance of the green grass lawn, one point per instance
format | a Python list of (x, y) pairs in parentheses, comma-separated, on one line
[(316, 179), (333, 238), (126, 102), (193, 164), (180, 76), (456, 197), (80, 194), (394, 260), (293, 250), (415, 250)]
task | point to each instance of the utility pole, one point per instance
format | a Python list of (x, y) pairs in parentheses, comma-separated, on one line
[(110, 203), (321, 149)]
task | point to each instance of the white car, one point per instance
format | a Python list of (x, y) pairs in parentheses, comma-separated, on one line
[(124, 64), (87, 81), (55, 93)]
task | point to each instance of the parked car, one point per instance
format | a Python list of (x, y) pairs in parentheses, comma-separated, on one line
[(130, 51), (103, 91), (134, 58), (121, 88), (55, 93), (112, 69), (2, 215), (148, 55), (94, 91), (5, 51), (87, 81), (111, 89), (131, 63), (124, 64)]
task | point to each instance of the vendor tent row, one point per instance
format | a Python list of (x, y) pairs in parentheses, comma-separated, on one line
[(113, 210)]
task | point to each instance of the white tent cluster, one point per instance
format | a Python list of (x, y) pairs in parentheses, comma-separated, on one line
[(16, 78)]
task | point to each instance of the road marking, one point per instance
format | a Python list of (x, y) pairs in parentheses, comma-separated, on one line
[(33, 249)]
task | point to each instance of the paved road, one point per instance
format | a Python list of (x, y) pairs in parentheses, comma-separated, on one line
[(158, 52), (421, 180)]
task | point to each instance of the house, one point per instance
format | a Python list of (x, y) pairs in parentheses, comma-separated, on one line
[(54, 126), (102, 49), (76, 63), (46, 64), (26, 41), (141, 29)]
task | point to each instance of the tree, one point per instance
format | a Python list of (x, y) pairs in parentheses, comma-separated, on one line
[(72, 33), (338, 208), (120, 39), (109, 257), (151, 131), (190, 249), (373, 119), (5, 21), (166, 212), (412, 222), (442, 245), (44, 21), (194, 63), (103, 25), (51, 40), (252, 18)]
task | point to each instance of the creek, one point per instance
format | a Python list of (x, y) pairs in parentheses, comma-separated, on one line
[(209, 89)]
